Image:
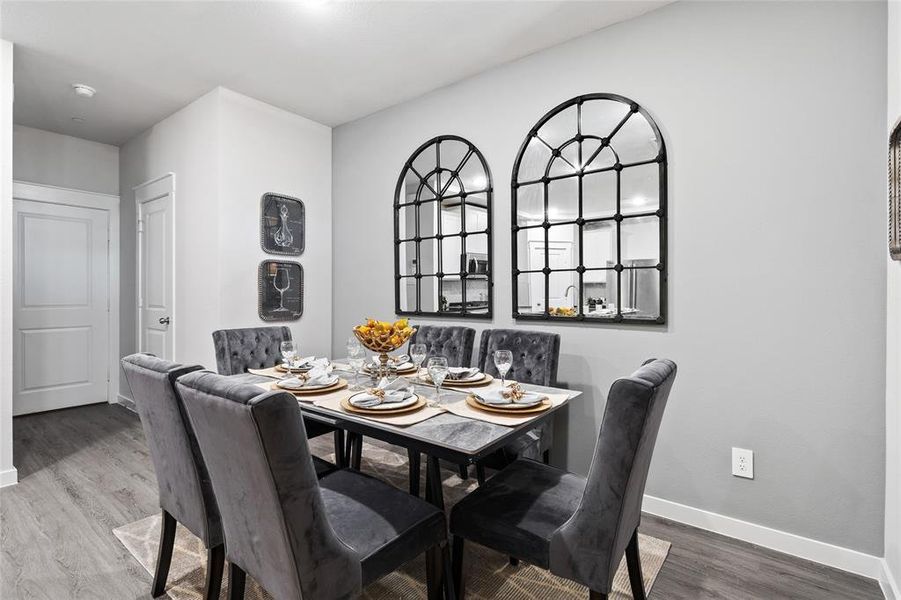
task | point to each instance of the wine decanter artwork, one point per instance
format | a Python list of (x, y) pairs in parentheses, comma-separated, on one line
[(283, 236), (282, 224)]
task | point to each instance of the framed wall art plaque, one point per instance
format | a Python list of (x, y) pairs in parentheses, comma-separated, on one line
[(280, 288), (282, 224)]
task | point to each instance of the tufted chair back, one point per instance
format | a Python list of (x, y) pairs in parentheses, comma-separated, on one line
[(251, 348), (184, 486), (536, 354), (452, 342), (588, 547), (262, 471)]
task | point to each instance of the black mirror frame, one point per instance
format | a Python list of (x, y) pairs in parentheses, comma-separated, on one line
[(423, 178), (661, 213)]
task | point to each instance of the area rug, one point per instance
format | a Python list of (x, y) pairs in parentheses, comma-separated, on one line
[(488, 574)]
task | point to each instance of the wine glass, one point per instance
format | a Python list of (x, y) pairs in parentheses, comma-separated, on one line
[(356, 357), (289, 354), (281, 281), (418, 352), (437, 371), (503, 360)]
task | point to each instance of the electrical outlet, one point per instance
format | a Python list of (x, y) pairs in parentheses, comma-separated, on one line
[(743, 463)]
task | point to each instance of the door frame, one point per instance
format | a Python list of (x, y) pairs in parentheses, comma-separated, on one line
[(49, 194), (153, 189)]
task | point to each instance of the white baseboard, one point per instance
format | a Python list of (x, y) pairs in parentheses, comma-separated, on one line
[(781, 541), (889, 583), (126, 402), (9, 477)]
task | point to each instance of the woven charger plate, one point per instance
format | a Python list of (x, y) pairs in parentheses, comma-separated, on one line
[(342, 383), (543, 406), (346, 405)]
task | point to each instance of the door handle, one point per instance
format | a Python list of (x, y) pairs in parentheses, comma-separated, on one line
[(164, 320)]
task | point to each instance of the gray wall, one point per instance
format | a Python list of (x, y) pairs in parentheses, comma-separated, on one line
[(64, 161), (774, 118)]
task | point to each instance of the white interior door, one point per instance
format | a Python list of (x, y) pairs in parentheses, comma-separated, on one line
[(61, 306), (155, 267), (560, 256)]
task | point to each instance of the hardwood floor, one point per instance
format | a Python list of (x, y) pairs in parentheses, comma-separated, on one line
[(85, 471)]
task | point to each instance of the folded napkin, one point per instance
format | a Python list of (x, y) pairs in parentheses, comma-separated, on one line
[(318, 376), (384, 393), (511, 394), (306, 362), (458, 373)]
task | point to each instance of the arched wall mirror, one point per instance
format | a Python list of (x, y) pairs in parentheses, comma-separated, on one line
[(589, 210), (442, 231)]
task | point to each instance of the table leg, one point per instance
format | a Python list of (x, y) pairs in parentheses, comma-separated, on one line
[(434, 493), (355, 453)]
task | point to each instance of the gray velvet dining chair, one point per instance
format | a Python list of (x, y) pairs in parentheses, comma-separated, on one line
[(575, 527), (238, 350), (536, 356), (455, 343), (185, 495), (296, 535)]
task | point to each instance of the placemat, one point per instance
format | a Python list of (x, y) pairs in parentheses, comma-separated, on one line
[(462, 409)]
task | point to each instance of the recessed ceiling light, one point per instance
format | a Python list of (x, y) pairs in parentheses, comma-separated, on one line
[(83, 91)]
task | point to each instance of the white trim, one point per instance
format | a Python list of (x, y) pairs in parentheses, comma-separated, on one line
[(145, 192), (888, 583), (50, 194), (774, 539), (9, 477)]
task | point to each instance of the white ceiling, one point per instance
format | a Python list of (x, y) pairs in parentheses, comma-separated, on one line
[(330, 61)]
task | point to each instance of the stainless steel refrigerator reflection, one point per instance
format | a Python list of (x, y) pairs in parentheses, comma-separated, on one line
[(641, 289)]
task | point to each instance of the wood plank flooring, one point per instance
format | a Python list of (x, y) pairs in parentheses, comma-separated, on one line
[(85, 471)]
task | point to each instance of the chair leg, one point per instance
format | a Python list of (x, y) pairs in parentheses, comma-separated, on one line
[(415, 460), (596, 595), (447, 573), (546, 457), (339, 448), (215, 563), (236, 580), (480, 473), (633, 562), (457, 565), (164, 555), (433, 568)]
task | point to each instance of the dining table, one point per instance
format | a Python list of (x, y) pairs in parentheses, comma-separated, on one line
[(462, 439)]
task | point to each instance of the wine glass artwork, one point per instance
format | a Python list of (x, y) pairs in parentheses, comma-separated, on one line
[(281, 281), (280, 289), (503, 360)]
